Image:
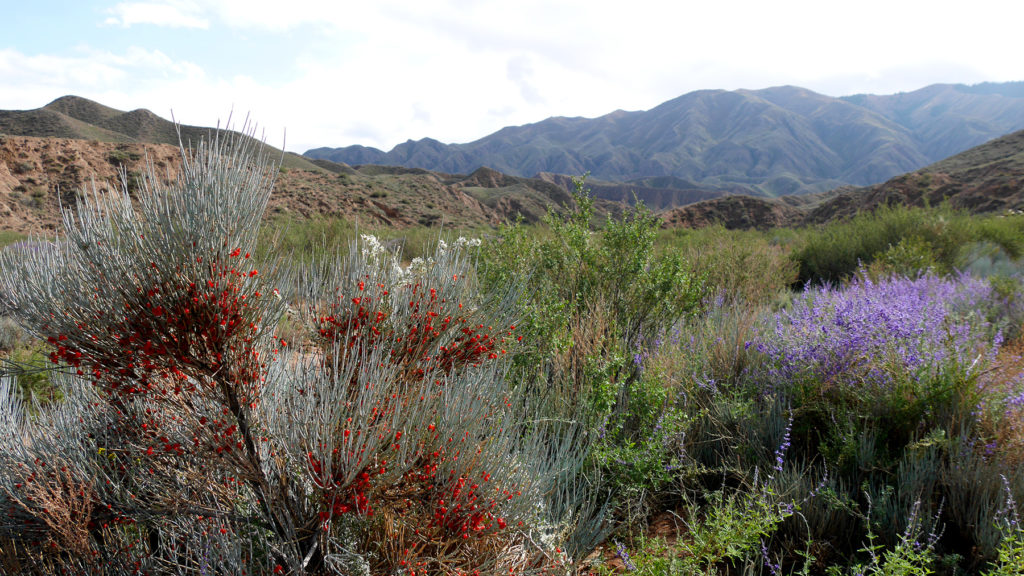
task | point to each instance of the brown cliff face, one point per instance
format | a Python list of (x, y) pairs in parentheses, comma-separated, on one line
[(38, 176)]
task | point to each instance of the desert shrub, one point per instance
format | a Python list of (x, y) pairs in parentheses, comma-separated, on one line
[(909, 257), (318, 236), (122, 156), (913, 552), (193, 438), (742, 266), (724, 532), (872, 334), (575, 273), (23, 168), (304, 239), (597, 303), (904, 240)]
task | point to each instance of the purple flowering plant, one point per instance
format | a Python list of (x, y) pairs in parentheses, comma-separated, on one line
[(873, 335)]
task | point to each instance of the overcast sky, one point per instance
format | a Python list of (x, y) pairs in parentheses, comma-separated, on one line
[(379, 72)]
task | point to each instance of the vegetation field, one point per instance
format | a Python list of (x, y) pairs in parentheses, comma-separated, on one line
[(191, 388)]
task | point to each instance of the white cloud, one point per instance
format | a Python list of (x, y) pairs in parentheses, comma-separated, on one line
[(114, 79), (169, 13)]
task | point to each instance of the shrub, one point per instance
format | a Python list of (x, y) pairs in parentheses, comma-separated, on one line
[(595, 296), (23, 168), (598, 303), (745, 267), (122, 156), (904, 240), (890, 387), (193, 437), (873, 334)]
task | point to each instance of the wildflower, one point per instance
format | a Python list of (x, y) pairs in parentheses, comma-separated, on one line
[(372, 247), (623, 555), (463, 242), (780, 452)]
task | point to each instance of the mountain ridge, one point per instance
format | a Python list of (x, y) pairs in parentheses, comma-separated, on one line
[(768, 142), (40, 171)]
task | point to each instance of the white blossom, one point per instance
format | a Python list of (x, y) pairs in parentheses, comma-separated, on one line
[(464, 242), (372, 248)]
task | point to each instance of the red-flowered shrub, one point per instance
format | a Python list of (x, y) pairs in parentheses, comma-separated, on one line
[(192, 438)]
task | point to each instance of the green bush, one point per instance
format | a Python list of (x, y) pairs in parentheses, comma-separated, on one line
[(906, 240), (122, 156), (593, 296), (747, 267)]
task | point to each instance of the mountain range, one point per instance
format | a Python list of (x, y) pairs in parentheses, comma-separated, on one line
[(770, 142), (47, 154)]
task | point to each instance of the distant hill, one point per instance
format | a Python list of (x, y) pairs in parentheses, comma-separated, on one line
[(79, 118), (39, 175), (770, 142), (54, 150), (986, 178)]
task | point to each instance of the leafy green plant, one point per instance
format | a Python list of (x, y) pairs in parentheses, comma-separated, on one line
[(910, 556), (574, 272), (723, 533), (1010, 558), (730, 527)]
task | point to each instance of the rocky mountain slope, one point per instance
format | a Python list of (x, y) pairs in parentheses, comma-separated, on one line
[(40, 175), (986, 178), (40, 172)]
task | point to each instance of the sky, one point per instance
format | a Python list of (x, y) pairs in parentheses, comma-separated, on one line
[(315, 73)]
